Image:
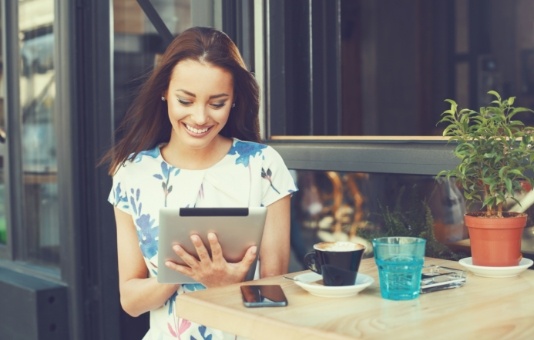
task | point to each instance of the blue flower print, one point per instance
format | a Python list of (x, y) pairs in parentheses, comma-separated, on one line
[(153, 268), (193, 287), (145, 227), (147, 235), (267, 175), (170, 303), (202, 330), (245, 150), (152, 153), (166, 172), (120, 197)]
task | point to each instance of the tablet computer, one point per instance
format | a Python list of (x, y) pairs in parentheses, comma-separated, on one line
[(237, 229)]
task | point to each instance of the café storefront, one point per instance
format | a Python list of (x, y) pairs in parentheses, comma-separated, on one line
[(351, 93)]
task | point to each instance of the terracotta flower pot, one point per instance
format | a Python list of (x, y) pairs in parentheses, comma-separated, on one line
[(495, 242)]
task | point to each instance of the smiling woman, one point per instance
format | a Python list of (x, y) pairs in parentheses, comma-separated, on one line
[(199, 100), (186, 144)]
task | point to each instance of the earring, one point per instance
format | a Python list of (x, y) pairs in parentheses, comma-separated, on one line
[(233, 105), (162, 98)]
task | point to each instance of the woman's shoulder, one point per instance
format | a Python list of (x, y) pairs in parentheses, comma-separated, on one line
[(142, 160), (248, 149), (246, 152)]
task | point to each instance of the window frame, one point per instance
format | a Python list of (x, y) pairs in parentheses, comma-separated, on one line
[(421, 155), (395, 155), (13, 146)]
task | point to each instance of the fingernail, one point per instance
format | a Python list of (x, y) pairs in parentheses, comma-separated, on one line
[(254, 250)]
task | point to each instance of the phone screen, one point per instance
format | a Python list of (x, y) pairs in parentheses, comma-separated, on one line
[(263, 296)]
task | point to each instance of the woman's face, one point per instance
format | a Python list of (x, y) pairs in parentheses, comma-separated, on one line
[(199, 100)]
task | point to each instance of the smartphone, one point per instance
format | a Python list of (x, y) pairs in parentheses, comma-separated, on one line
[(436, 278), (263, 296)]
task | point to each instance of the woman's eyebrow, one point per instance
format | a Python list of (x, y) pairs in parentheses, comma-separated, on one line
[(221, 95), (215, 96), (186, 92)]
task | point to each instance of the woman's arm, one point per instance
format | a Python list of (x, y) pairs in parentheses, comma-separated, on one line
[(138, 293), (275, 247)]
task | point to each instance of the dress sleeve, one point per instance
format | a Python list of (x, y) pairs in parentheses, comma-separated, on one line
[(118, 195), (277, 180)]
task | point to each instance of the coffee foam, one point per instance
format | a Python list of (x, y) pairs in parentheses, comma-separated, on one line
[(338, 246)]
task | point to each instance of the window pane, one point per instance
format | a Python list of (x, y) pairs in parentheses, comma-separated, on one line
[(378, 67), (3, 223), (137, 44), (38, 115), (334, 205)]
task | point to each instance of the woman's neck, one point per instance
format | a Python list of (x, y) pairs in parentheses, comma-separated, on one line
[(184, 157)]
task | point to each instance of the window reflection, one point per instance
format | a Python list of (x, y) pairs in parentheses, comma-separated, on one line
[(39, 162), (332, 206), (137, 44)]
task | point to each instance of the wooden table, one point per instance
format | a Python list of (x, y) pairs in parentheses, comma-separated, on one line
[(484, 308)]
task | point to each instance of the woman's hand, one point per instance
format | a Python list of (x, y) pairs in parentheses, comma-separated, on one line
[(214, 271)]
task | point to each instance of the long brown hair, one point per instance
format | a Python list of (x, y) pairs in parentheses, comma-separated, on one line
[(147, 124)]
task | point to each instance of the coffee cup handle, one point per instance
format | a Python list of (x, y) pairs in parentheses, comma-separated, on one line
[(311, 263)]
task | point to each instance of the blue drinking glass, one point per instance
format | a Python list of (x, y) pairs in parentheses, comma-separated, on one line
[(400, 263)]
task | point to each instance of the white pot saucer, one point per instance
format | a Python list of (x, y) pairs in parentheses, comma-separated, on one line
[(498, 272), (312, 282)]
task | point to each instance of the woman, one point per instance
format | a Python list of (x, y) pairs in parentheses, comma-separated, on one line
[(191, 139)]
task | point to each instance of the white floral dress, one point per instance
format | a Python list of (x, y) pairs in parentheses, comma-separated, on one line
[(251, 174)]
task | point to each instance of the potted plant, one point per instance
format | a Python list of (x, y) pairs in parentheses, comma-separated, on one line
[(496, 162)]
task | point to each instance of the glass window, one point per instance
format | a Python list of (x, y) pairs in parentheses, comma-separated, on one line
[(137, 43), (357, 206), (378, 67), (38, 116)]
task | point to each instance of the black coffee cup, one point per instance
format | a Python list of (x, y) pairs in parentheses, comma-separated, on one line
[(338, 262)]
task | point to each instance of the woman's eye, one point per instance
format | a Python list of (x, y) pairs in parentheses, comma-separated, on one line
[(217, 105), (184, 102)]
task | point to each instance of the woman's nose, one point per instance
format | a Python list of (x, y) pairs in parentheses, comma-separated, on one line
[(200, 115)]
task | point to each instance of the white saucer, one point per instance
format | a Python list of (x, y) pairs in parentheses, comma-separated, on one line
[(496, 271), (309, 282)]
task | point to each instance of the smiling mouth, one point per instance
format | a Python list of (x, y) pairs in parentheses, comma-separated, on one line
[(196, 131)]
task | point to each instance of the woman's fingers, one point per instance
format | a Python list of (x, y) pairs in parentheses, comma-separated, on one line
[(186, 268), (216, 249), (202, 252), (179, 268), (250, 256), (189, 259), (212, 270), (219, 260), (193, 267)]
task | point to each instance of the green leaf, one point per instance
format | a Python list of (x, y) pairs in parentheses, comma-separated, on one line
[(495, 150)]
